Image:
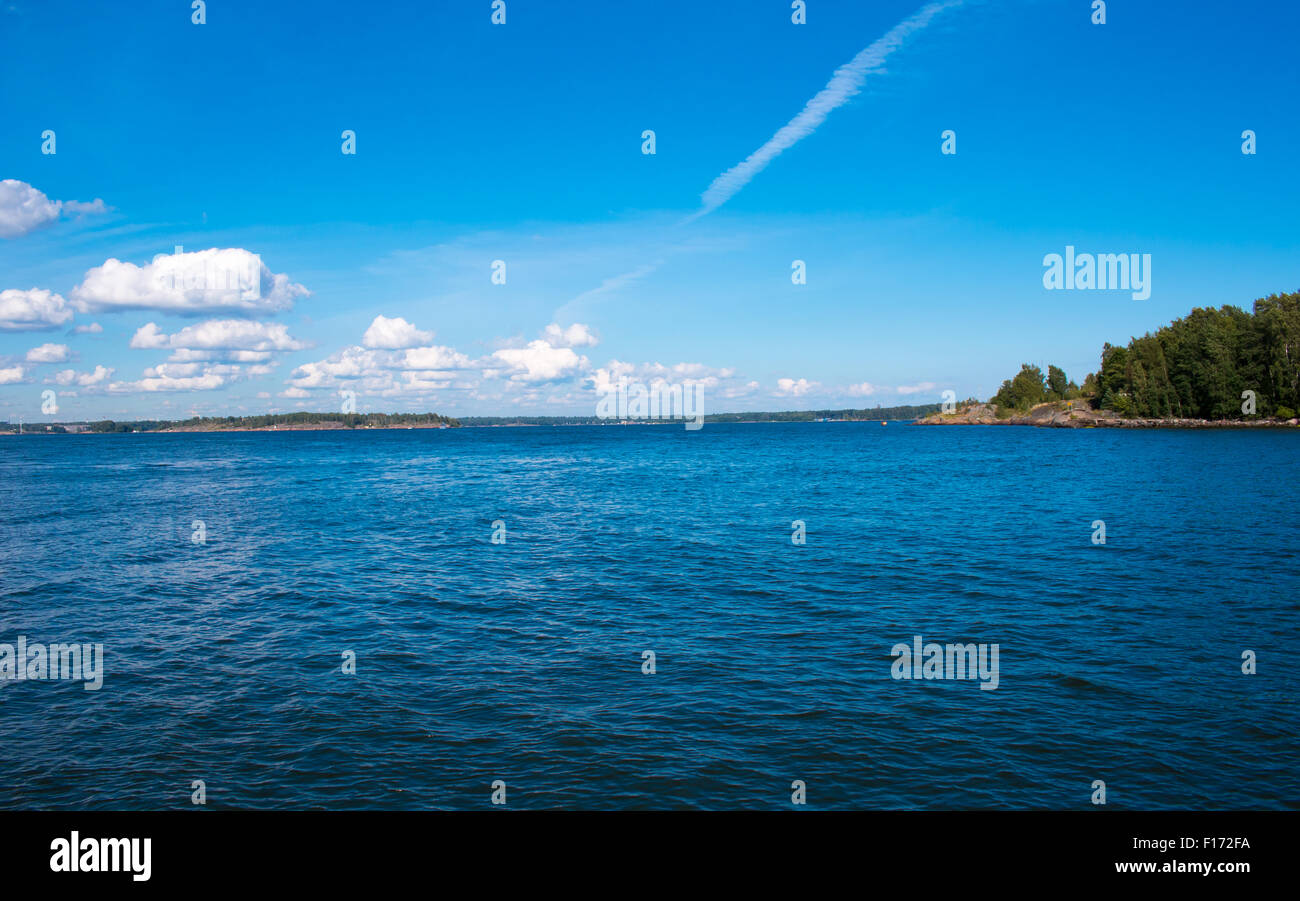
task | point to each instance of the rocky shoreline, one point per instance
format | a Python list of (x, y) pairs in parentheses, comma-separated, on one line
[(1073, 415)]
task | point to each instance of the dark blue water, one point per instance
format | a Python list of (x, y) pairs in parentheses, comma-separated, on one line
[(522, 661)]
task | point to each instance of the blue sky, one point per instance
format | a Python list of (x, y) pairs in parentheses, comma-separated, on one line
[(522, 143)]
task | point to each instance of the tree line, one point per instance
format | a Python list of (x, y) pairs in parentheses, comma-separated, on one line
[(267, 420), (1211, 364), (904, 412)]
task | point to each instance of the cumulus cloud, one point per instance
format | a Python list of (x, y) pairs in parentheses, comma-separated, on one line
[(349, 363), (539, 361), (918, 388), (607, 377), (436, 357), (795, 387), (100, 375), (149, 337), (10, 375), (862, 389), (49, 353), (412, 370), (545, 371), (576, 335), (93, 329), (227, 280), (173, 377), (843, 86), (209, 355), (232, 340), (34, 310), (394, 334), (202, 376), (24, 209)]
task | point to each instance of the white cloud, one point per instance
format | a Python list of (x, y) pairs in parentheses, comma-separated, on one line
[(229, 280), (862, 389), (186, 355), (795, 387), (732, 392), (100, 375), (425, 358), (49, 353), (540, 362), (349, 363), (394, 334), (420, 383), (167, 377), (93, 329), (167, 381), (149, 337), (606, 378), (11, 375), (33, 310), (542, 372), (220, 339), (24, 209), (843, 86), (576, 335), (917, 388), (78, 208), (384, 372), (209, 355)]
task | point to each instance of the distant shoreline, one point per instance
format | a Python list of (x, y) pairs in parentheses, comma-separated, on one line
[(1107, 423), (336, 427), (1055, 414), (1064, 415), (326, 421)]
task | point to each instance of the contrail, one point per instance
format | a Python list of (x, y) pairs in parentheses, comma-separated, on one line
[(609, 284), (844, 84)]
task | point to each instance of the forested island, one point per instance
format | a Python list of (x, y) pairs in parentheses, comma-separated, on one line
[(1223, 367), (301, 421)]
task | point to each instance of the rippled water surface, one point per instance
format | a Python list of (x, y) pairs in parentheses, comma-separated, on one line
[(522, 661)]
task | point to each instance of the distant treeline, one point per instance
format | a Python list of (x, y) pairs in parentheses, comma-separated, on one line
[(382, 420), (139, 425), (267, 420), (909, 412), (34, 428), (1198, 367), (531, 420)]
